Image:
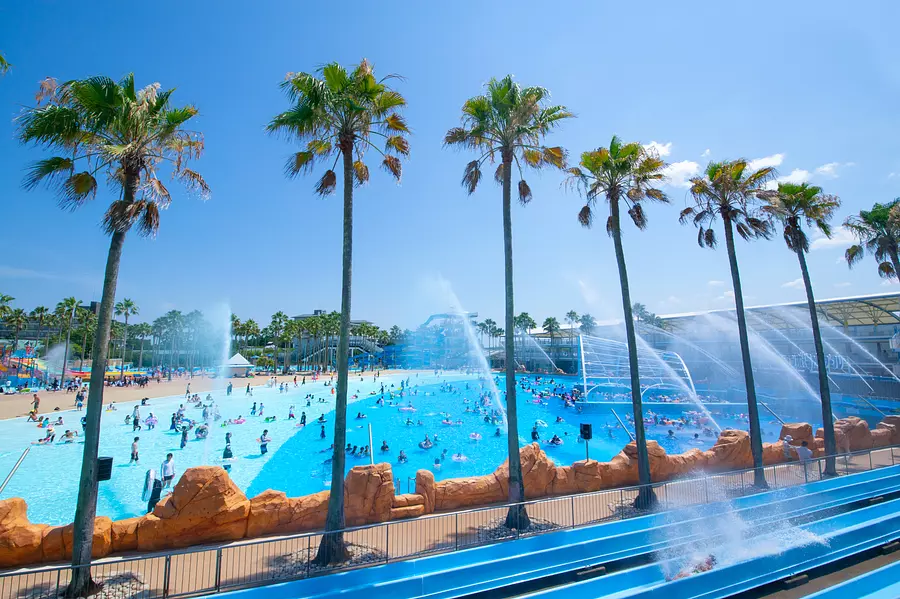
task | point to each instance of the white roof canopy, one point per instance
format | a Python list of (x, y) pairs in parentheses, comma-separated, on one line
[(238, 361)]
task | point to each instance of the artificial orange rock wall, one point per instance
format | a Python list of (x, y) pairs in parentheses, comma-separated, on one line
[(206, 506)]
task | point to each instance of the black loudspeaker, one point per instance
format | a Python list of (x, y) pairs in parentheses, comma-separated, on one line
[(586, 431), (104, 468)]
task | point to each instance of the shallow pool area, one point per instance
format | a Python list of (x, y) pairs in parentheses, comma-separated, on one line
[(298, 458)]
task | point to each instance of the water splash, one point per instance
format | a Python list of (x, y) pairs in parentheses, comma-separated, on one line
[(475, 348)]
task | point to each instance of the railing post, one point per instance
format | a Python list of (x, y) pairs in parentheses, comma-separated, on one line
[(774, 475), (308, 554), (621, 503), (805, 472), (706, 488), (456, 526), (218, 569), (57, 582), (166, 572), (572, 501), (870, 460), (387, 543)]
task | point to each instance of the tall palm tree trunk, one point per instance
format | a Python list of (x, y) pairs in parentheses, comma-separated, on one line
[(62, 378), (824, 389), (759, 475), (141, 358), (516, 517), (895, 260), (124, 348), (86, 508), (646, 498), (83, 348), (332, 548)]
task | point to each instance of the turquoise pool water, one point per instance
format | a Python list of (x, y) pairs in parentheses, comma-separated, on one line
[(296, 462)]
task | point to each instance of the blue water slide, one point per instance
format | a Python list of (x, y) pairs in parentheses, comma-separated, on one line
[(498, 565), (883, 583), (827, 541)]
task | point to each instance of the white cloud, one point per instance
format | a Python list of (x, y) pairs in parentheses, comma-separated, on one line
[(716, 283), (841, 260), (679, 173), (795, 284), (705, 153), (892, 175), (728, 296), (843, 284), (798, 175), (660, 149), (766, 161), (888, 282), (831, 169), (840, 238)]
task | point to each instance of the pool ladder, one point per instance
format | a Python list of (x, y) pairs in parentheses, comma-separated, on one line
[(14, 468)]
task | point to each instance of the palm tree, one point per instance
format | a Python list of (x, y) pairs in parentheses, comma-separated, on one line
[(572, 319), (87, 320), (878, 232), (728, 191), (587, 323), (792, 205), (125, 308), (236, 328), (128, 134), (4, 304), (4, 65), (624, 173), (174, 320), (142, 331), (509, 122), (18, 319), (41, 313), (315, 326), (251, 330), (551, 327), (341, 114), (65, 311)]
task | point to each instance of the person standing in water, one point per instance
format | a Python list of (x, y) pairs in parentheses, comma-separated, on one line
[(227, 455), (134, 451), (167, 471), (229, 388), (184, 437), (264, 443)]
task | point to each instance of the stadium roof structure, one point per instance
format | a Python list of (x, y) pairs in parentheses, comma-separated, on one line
[(875, 309)]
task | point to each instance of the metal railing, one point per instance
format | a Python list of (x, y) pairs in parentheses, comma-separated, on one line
[(212, 569), (14, 469)]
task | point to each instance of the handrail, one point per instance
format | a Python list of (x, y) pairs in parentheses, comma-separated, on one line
[(14, 468), (309, 536), (622, 424), (777, 417)]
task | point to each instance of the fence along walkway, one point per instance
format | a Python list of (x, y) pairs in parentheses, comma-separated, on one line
[(213, 569)]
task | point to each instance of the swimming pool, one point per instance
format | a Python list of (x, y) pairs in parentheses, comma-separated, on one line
[(296, 462)]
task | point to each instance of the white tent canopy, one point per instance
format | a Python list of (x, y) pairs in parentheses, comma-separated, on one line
[(237, 361)]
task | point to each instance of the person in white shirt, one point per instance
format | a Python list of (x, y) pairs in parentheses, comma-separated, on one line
[(786, 447), (804, 452), (167, 470)]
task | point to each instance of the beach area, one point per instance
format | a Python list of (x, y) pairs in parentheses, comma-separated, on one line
[(15, 406)]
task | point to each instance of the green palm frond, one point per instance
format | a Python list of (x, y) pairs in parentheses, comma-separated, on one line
[(622, 172), (510, 122), (104, 126), (4, 65), (340, 110), (877, 231)]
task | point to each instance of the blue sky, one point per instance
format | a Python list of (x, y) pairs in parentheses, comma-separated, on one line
[(809, 87)]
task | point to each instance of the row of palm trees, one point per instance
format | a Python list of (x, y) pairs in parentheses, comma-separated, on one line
[(339, 115)]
